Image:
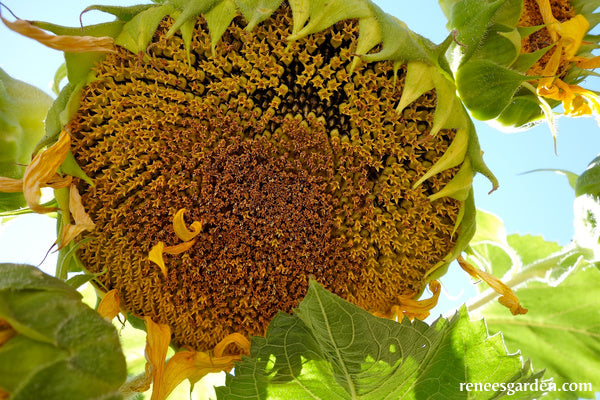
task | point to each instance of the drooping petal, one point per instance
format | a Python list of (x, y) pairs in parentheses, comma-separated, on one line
[(156, 256), (195, 365), (418, 308), (83, 222), (158, 338), (72, 44), (42, 169), (507, 298), (9, 185), (181, 230), (109, 306)]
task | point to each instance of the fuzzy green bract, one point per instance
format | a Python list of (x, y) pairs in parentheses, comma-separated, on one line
[(63, 349), (331, 349)]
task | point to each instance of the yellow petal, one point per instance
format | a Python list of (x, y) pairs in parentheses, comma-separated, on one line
[(548, 18), (83, 222), (72, 44), (181, 230), (158, 338), (418, 308), (109, 305), (571, 34), (156, 256), (42, 170), (180, 248), (194, 365), (587, 63), (507, 298), (9, 185)]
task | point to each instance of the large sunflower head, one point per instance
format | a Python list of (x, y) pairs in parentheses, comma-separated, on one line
[(516, 60), (213, 156)]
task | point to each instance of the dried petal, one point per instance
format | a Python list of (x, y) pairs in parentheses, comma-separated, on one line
[(42, 169), (507, 298), (72, 44), (83, 222), (9, 185)]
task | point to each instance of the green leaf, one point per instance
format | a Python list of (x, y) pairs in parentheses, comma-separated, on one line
[(589, 181), (22, 111), (331, 349), (561, 331), (63, 349)]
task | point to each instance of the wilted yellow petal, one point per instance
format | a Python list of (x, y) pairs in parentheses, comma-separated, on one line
[(548, 18), (3, 394), (181, 230), (72, 44), (418, 308), (83, 222), (59, 182), (507, 298), (42, 170), (158, 338), (109, 305), (194, 365), (571, 34), (9, 185), (587, 63), (235, 338), (156, 256), (180, 248)]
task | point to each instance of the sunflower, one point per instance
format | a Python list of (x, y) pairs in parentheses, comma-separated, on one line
[(210, 157), (533, 54)]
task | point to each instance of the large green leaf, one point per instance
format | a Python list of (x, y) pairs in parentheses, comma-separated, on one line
[(63, 349), (331, 349), (561, 331)]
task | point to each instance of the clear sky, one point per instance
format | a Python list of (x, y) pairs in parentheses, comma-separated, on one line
[(539, 203)]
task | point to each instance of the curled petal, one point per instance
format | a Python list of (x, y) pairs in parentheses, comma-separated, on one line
[(181, 230), (9, 185), (72, 44), (109, 305), (235, 338), (42, 169), (418, 308), (59, 182), (507, 298), (83, 222), (156, 256), (195, 365)]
